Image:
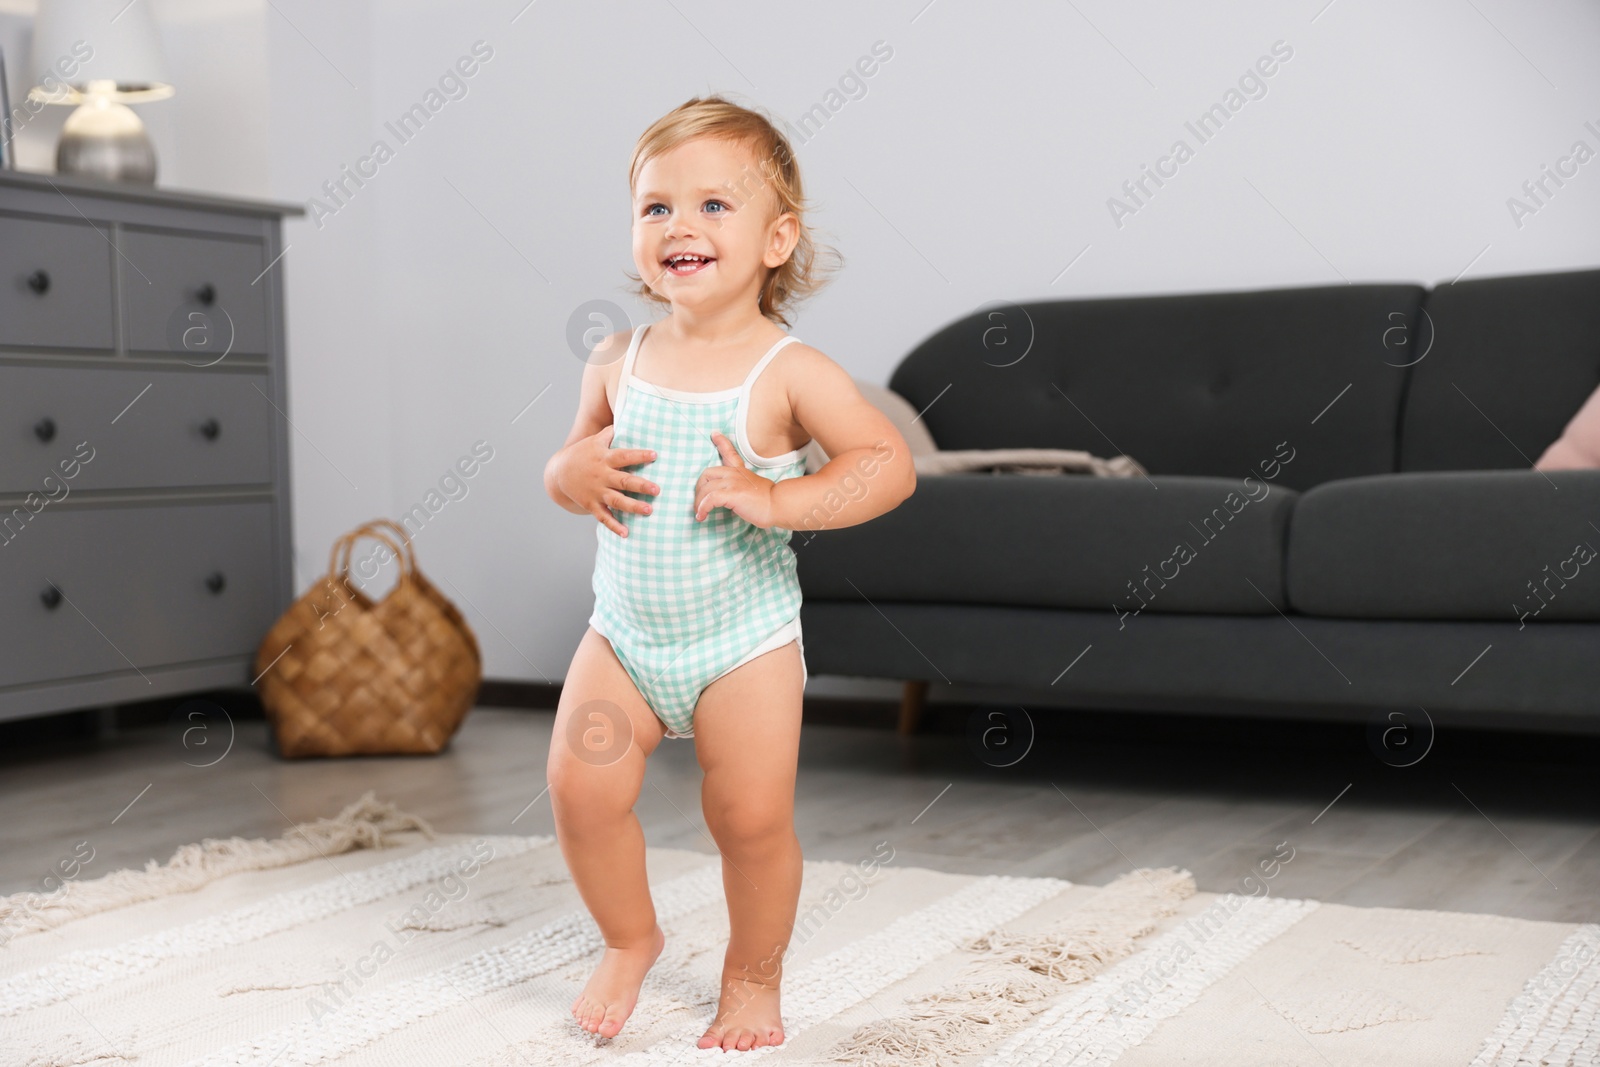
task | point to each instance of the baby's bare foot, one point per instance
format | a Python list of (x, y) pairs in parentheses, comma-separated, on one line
[(747, 1018), (613, 989)]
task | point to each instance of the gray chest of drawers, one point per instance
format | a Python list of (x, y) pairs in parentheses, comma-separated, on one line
[(144, 478)]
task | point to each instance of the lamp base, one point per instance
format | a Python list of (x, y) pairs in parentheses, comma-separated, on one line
[(104, 139)]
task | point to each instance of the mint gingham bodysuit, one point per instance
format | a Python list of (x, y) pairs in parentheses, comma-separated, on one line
[(684, 602)]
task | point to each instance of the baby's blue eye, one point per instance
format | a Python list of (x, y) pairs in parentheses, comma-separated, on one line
[(651, 210)]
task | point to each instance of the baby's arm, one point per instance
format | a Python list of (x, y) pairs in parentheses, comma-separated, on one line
[(869, 469), (583, 477)]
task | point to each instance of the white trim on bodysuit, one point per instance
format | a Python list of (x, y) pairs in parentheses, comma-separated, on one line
[(742, 416), (743, 391)]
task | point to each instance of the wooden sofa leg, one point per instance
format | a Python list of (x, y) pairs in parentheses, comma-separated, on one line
[(913, 699)]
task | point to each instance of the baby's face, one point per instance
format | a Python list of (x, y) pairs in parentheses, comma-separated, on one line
[(709, 197)]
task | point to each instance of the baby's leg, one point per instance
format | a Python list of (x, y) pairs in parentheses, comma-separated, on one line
[(747, 738), (595, 771)]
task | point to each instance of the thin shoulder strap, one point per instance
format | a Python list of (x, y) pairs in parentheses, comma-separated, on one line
[(633, 349), (761, 364), (627, 369)]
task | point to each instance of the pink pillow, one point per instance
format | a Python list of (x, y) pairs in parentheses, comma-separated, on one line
[(1579, 444)]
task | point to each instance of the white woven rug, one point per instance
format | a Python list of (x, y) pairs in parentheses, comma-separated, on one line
[(359, 941)]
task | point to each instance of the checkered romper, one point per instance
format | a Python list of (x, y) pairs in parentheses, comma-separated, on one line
[(685, 602)]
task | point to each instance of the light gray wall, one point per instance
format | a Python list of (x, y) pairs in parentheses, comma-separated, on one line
[(976, 164)]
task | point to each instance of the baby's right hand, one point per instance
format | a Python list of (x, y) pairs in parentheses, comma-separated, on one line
[(588, 472)]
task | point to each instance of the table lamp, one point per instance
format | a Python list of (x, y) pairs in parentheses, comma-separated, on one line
[(101, 55)]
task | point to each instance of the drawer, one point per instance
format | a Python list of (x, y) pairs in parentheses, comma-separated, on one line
[(55, 284), (188, 428), (148, 585), (193, 296)]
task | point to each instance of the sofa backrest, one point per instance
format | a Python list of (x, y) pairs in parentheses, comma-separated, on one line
[(1203, 384), (1511, 360)]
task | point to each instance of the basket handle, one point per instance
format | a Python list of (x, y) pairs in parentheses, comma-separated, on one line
[(403, 536), (339, 557), (406, 554)]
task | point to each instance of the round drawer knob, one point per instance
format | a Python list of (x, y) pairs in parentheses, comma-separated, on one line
[(45, 429), (51, 598), (210, 429), (216, 582), (206, 294), (39, 282)]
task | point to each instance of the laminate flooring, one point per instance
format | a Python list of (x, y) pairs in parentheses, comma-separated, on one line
[(1502, 823)]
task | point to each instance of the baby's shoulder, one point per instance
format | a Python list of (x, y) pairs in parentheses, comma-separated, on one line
[(804, 367), (799, 359)]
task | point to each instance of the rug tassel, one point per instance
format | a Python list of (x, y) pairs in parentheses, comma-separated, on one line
[(1017, 973), (365, 823)]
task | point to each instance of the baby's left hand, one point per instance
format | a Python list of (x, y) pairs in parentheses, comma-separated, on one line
[(732, 485)]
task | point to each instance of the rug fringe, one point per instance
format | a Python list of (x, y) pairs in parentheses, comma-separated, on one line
[(365, 823), (1016, 973)]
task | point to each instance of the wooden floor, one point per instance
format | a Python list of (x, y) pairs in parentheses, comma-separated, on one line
[(1501, 823)]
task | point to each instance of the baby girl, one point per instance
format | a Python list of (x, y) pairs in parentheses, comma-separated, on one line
[(689, 451)]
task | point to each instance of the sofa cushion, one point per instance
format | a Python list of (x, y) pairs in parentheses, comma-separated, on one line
[(1509, 362), (1067, 541), (1509, 545), (1199, 384)]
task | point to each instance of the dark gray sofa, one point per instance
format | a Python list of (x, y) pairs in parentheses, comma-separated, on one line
[(1349, 467)]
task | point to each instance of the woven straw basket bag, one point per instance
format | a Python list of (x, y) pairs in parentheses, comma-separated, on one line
[(342, 675)]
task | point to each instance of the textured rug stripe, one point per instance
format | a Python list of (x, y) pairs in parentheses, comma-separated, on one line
[(1094, 1026), (849, 975), (78, 972), (365, 1018), (1553, 1019)]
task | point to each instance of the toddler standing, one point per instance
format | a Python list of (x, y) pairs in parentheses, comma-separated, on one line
[(688, 451)]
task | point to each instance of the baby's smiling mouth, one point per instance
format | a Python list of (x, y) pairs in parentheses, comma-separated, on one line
[(685, 263)]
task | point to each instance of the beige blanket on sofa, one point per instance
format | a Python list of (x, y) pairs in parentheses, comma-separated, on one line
[(1025, 461), (929, 458)]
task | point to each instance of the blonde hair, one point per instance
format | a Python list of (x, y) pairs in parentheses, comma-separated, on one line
[(713, 116)]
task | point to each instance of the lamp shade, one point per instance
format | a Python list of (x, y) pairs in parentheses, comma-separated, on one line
[(76, 42)]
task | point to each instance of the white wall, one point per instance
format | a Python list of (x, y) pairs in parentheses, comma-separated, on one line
[(977, 165)]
